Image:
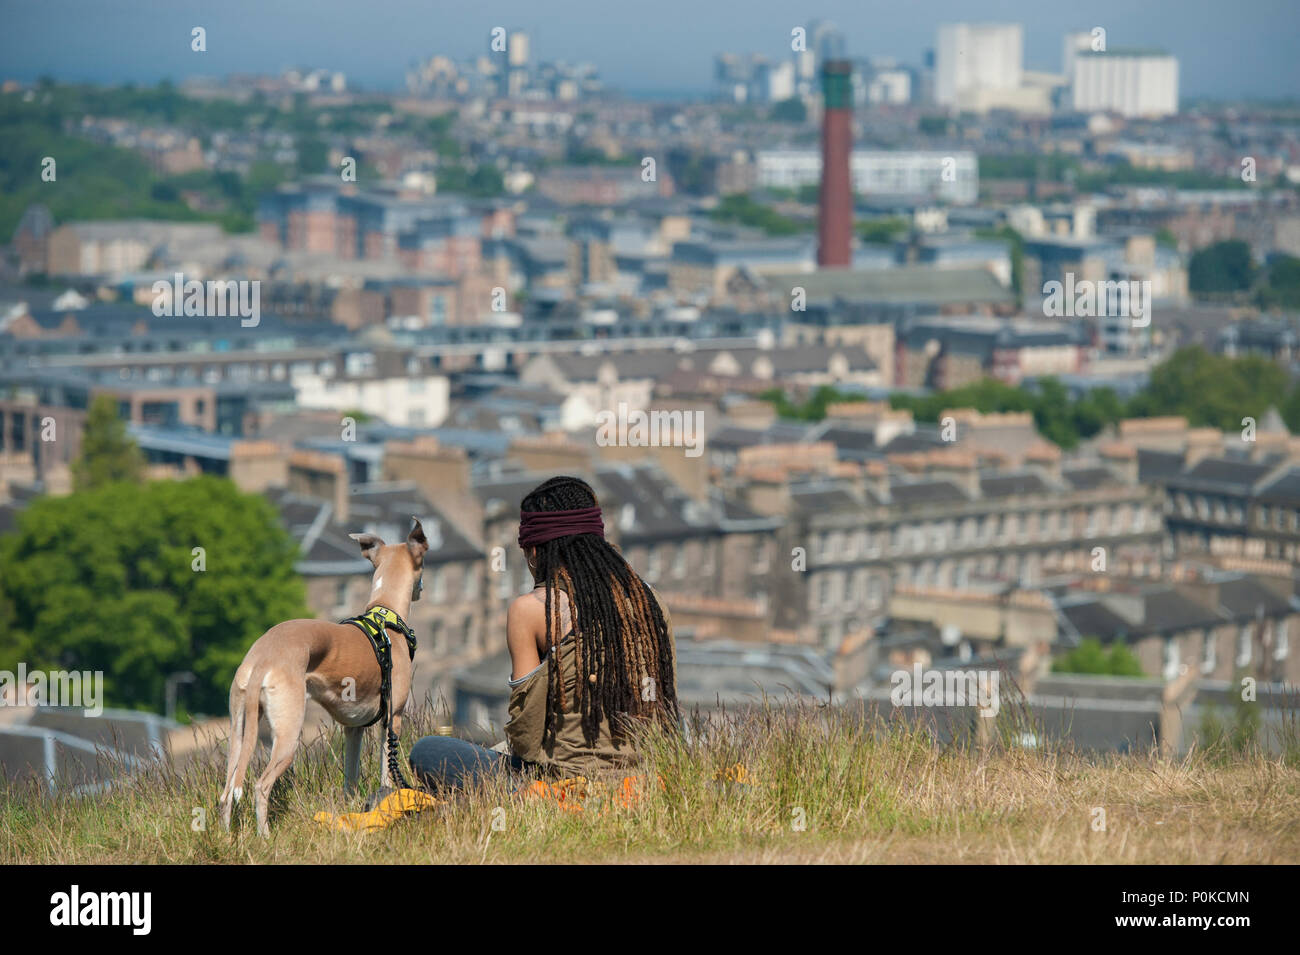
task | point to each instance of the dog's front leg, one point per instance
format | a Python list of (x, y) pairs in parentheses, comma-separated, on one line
[(352, 758)]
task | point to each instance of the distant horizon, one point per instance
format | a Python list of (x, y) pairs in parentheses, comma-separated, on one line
[(1238, 52)]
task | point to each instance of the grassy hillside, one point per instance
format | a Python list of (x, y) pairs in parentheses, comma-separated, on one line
[(883, 793)]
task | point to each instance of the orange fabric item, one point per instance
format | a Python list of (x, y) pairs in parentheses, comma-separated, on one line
[(391, 808), (571, 794)]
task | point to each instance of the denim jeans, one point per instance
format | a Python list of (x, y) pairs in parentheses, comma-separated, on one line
[(443, 763)]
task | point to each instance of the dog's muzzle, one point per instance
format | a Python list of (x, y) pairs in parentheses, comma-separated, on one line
[(418, 588)]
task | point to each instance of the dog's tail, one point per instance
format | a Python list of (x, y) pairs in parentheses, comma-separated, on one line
[(243, 731)]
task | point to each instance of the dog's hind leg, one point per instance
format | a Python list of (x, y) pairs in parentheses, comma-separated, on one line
[(286, 708), (352, 736), (244, 712)]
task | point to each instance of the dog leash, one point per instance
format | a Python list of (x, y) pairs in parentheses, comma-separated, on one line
[(374, 623)]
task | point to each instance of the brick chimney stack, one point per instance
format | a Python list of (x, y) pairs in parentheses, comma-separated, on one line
[(835, 201)]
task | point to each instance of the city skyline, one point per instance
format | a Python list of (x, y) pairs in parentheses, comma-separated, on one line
[(1245, 55)]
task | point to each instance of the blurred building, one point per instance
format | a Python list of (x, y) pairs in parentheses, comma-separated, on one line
[(1129, 82)]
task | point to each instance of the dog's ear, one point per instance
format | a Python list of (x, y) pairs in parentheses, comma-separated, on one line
[(416, 542), (370, 544)]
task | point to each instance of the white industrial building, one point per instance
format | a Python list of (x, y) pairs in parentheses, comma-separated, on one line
[(1131, 83), (953, 177), (974, 60)]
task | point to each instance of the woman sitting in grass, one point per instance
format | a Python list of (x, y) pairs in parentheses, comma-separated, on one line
[(591, 652)]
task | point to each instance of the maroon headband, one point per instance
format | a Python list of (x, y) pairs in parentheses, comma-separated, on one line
[(538, 527)]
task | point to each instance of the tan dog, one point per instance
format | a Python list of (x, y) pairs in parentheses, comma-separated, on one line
[(334, 664)]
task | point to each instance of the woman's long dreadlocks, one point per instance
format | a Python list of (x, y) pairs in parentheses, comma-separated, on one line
[(619, 628)]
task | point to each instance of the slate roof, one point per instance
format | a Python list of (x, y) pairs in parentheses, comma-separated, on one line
[(1013, 485), (383, 509), (814, 500), (926, 492), (1158, 466), (1089, 477), (1245, 597), (908, 284), (1284, 489), (1222, 475)]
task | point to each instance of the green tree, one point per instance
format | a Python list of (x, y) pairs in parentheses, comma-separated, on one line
[(934, 125), (1212, 390), (110, 580), (107, 453), (740, 207), (1221, 268), (1091, 657), (790, 111), (881, 231), (1282, 286)]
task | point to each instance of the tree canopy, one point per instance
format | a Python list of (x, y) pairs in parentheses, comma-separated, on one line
[(1209, 390), (109, 579), (107, 453), (1091, 657)]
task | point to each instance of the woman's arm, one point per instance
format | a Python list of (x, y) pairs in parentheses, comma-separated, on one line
[(525, 618)]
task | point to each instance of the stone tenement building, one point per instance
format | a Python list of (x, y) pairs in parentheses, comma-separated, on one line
[(943, 519), (1224, 494)]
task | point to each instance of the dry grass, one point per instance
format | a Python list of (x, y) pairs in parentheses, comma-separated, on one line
[(866, 792)]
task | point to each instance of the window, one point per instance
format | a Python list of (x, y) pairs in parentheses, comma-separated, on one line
[(469, 582), (874, 592), (1209, 653), (503, 584), (824, 590), (1172, 658), (438, 586), (652, 567), (1281, 641), (679, 561), (341, 593), (1243, 647)]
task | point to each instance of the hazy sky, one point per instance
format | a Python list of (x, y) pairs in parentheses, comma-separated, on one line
[(1226, 48)]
